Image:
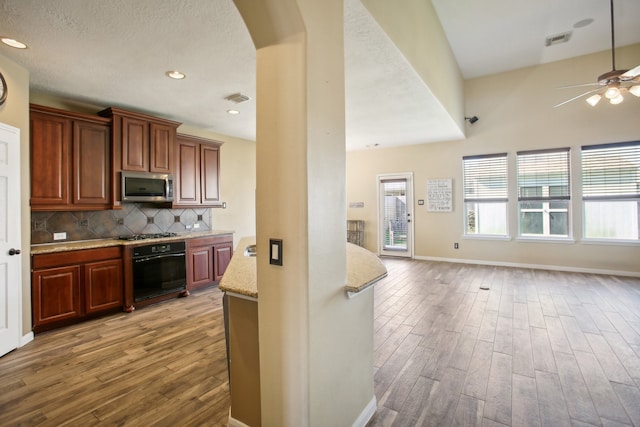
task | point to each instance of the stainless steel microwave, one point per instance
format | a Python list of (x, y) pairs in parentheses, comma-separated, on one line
[(147, 187)]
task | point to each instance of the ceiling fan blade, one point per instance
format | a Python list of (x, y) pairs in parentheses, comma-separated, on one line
[(576, 97), (631, 73), (580, 85)]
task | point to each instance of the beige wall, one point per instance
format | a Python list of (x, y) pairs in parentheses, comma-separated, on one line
[(15, 112), (516, 113)]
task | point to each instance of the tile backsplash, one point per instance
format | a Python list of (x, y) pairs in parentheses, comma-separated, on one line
[(133, 218)]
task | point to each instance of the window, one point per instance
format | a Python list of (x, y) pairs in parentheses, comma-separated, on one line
[(485, 194), (611, 190), (543, 193)]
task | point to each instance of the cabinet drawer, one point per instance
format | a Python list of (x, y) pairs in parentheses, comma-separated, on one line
[(75, 257)]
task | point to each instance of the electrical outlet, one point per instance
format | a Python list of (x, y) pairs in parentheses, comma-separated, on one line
[(196, 225), (456, 246), (60, 236)]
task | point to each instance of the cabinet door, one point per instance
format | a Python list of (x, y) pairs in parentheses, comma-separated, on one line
[(103, 285), (91, 164), (56, 294), (187, 178), (161, 148), (50, 159), (201, 267), (135, 144), (210, 164), (221, 258)]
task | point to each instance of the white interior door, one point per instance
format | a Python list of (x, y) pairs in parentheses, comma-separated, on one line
[(10, 258), (395, 215)]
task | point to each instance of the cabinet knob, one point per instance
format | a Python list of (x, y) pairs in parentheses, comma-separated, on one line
[(13, 251)]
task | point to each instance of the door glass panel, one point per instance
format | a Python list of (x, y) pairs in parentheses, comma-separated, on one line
[(395, 215)]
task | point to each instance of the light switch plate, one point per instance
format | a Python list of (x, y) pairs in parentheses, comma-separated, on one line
[(275, 251), (60, 236)]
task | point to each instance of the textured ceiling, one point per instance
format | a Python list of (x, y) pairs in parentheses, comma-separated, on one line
[(115, 53)]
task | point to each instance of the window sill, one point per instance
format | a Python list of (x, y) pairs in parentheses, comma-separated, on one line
[(611, 242), (486, 237), (567, 240)]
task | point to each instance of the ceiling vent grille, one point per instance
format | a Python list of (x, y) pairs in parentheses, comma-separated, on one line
[(558, 38), (237, 98)]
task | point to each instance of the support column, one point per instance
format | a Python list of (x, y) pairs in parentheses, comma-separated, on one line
[(316, 346)]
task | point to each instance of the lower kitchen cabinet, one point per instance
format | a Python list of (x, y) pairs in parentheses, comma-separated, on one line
[(103, 285), (56, 295), (70, 286), (207, 260)]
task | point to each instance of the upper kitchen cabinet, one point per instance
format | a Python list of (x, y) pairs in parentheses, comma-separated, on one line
[(144, 143), (71, 160), (197, 172)]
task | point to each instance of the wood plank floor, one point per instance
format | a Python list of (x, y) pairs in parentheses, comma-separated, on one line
[(537, 348), (162, 365)]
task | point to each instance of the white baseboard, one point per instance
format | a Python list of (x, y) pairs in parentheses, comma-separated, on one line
[(532, 266), (362, 420), (366, 414), (26, 339)]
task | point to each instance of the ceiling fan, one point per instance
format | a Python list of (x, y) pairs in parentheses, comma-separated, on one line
[(612, 84)]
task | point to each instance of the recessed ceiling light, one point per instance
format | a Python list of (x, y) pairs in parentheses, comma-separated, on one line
[(13, 43), (233, 112), (583, 23), (176, 75)]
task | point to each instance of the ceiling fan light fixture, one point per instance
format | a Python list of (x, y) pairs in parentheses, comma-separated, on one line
[(594, 99), (612, 92), (617, 100), (635, 90)]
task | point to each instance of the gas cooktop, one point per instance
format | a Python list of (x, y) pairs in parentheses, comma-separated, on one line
[(147, 236)]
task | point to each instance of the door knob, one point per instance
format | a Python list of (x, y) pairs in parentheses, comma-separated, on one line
[(13, 251)]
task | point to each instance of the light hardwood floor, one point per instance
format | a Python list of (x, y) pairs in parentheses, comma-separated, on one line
[(537, 348)]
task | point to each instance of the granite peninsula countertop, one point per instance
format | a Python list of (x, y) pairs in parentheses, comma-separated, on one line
[(46, 248), (364, 269)]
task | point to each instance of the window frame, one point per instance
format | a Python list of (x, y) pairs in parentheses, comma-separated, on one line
[(598, 187), (540, 163), (498, 194)]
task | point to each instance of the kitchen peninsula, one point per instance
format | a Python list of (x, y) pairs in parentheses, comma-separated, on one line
[(239, 283)]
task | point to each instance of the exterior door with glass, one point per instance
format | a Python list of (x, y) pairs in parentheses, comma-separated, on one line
[(395, 215)]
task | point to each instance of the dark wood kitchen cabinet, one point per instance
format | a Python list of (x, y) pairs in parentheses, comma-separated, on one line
[(145, 143), (70, 160), (74, 285), (197, 172), (207, 259)]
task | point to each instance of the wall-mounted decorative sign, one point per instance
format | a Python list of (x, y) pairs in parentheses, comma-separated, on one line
[(439, 195)]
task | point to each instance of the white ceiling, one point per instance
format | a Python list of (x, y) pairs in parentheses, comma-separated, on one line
[(115, 53)]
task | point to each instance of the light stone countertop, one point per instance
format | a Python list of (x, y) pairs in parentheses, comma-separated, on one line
[(364, 269), (46, 248)]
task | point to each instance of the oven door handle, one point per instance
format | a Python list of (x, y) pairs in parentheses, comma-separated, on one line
[(150, 258)]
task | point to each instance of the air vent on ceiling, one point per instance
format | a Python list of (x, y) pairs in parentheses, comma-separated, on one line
[(558, 38), (237, 98)]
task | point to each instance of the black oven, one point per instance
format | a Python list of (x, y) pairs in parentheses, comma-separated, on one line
[(158, 269)]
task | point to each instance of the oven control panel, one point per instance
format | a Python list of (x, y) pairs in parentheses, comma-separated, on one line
[(159, 249)]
